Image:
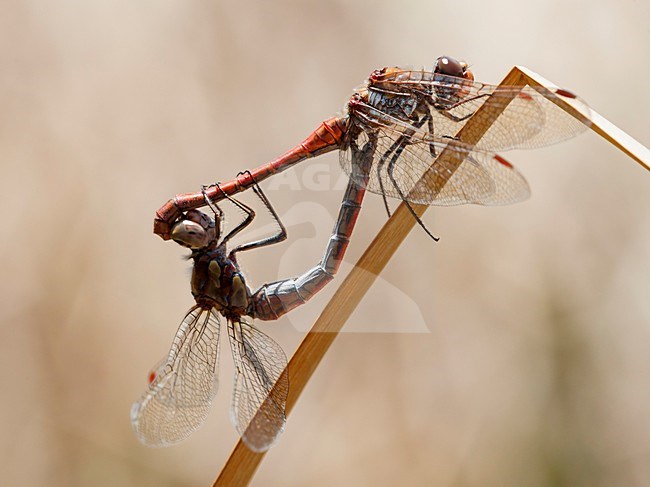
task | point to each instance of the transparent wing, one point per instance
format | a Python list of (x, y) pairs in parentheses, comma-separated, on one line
[(181, 389), (408, 163), (529, 118), (261, 385)]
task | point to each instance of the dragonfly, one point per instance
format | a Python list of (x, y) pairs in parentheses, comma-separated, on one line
[(411, 118), (182, 385)]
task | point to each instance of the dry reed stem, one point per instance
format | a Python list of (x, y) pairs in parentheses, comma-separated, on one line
[(242, 463)]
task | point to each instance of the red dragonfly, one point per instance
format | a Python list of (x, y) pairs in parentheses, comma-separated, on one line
[(183, 384), (406, 119)]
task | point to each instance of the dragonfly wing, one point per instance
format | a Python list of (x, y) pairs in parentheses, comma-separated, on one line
[(261, 385), (404, 165), (181, 389), (529, 118)]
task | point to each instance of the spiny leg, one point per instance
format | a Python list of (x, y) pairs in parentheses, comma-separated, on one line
[(432, 147), (380, 165), (250, 214), (431, 129), (444, 110), (397, 146), (391, 168), (276, 238), (216, 209), (218, 212)]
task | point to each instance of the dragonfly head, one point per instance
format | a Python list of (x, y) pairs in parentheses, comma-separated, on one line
[(450, 66), (195, 230)]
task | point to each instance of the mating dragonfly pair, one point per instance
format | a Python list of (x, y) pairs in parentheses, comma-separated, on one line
[(399, 139)]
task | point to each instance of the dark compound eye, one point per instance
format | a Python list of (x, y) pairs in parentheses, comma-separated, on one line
[(449, 66)]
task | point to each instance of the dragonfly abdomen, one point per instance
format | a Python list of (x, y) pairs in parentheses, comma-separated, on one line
[(273, 300)]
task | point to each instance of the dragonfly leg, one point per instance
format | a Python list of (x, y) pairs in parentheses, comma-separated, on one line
[(444, 110), (398, 147), (273, 239), (445, 113), (390, 170), (380, 166), (250, 214), (272, 300), (218, 212), (432, 147)]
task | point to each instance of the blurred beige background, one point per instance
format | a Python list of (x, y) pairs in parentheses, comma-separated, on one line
[(525, 352)]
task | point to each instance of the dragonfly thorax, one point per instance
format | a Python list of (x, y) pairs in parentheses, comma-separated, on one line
[(400, 105), (218, 282)]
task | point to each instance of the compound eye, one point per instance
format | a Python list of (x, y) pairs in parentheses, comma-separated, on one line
[(199, 217), (189, 234), (449, 66)]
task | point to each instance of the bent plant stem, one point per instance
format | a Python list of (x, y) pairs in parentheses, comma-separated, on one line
[(242, 463)]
